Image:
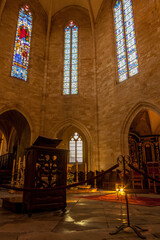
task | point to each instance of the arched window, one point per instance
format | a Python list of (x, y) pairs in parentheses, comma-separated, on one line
[(22, 44), (76, 149), (125, 39), (70, 79)]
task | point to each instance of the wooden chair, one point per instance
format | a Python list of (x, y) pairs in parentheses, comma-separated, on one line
[(137, 179), (153, 170)]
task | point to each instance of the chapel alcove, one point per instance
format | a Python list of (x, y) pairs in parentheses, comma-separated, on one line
[(15, 136), (75, 141), (144, 138)]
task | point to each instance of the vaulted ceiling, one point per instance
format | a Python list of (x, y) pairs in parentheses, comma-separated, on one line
[(57, 5), (145, 123)]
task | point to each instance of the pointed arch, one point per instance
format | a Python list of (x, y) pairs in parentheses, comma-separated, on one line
[(25, 114), (128, 120), (64, 125), (22, 44)]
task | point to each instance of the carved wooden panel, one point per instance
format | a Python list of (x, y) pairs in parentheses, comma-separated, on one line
[(46, 170)]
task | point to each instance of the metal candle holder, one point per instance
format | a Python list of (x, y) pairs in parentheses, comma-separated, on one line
[(125, 160)]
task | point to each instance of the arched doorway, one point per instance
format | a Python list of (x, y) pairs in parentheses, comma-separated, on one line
[(144, 138), (15, 134), (75, 141)]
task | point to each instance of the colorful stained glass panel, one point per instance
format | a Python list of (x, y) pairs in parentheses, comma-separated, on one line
[(120, 42), (123, 18), (22, 44), (71, 59), (130, 38)]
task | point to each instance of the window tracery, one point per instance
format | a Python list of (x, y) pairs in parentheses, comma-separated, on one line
[(76, 148)]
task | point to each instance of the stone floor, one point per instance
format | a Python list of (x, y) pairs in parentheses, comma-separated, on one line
[(84, 220)]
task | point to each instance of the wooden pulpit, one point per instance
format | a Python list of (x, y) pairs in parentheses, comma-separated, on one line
[(46, 169)]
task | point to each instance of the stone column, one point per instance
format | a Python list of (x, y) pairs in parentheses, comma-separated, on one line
[(42, 123)]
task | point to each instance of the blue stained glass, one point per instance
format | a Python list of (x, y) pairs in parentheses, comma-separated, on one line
[(67, 46), (67, 35), (74, 45), (133, 64), (129, 23), (119, 24), (65, 91), (66, 73), (67, 67), (120, 36), (74, 56), (131, 57), (67, 40), (67, 56), (67, 51), (123, 77), (66, 62), (74, 40), (74, 90), (74, 50), (74, 61), (66, 85), (74, 78), (127, 4), (129, 29), (74, 67), (131, 50), (125, 1), (66, 79), (71, 59), (131, 43), (120, 43), (117, 13), (129, 16), (22, 44), (74, 34), (74, 85), (133, 71), (123, 70), (130, 38), (74, 73), (121, 52), (118, 19), (127, 11), (121, 56), (121, 63)]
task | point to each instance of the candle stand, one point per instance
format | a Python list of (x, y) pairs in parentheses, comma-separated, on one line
[(125, 159)]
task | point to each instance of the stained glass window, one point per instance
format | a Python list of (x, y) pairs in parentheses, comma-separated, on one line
[(76, 149), (22, 44), (70, 80), (125, 39)]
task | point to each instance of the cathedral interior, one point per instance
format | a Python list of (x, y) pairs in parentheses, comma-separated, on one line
[(86, 72)]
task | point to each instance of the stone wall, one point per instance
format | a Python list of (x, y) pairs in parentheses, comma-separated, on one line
[(118, 100), (15, 93), (77, 109), (118, 103)]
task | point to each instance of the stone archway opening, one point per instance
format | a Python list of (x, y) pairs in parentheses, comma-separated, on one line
[(67, 135), (144, 138), (15, 135)]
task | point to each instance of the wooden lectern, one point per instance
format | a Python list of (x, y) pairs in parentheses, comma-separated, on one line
[(46, 168)]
